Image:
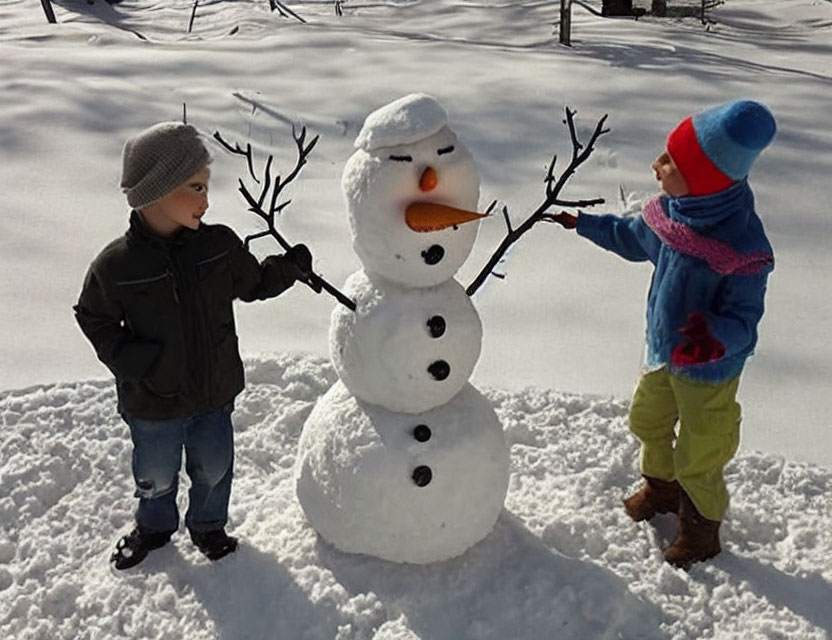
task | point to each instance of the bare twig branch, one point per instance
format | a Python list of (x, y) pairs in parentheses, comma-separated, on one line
[(236, 149), (550, 175), (578, 203), (589, 8), (193, 15), (508, 220), (267, 182), (47, 9), (576, 144), (276, 186), (256, 236), (580, 153), (284, 11)]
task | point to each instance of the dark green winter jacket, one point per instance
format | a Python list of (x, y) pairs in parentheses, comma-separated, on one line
[(159, 313)]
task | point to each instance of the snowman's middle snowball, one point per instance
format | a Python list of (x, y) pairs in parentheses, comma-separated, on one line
[(407, 349)]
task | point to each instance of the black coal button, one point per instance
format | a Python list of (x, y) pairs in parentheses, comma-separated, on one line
[(422, 432), (437, 326), (422, 475), (439, 369)]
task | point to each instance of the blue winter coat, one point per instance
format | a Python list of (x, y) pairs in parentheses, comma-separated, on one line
[(732, 304)]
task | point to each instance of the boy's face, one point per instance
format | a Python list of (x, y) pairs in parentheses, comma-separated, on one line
[(182, 207), (669, 176)]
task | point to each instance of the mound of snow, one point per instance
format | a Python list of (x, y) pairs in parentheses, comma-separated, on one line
[(563, 561)]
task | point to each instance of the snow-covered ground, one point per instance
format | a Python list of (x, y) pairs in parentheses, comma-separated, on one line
[(563, 561)]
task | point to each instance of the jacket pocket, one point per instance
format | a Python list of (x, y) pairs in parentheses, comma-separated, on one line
[(147, 301), (165, 379)]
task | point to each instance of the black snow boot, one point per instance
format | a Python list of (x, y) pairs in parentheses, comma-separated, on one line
[(214, 544), (134, 547)]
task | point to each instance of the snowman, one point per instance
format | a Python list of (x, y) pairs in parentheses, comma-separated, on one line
[(402, 458)]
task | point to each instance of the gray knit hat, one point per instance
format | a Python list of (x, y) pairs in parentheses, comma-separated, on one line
[(159, 159)]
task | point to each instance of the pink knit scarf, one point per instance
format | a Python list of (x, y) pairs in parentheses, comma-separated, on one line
[(721, 257)]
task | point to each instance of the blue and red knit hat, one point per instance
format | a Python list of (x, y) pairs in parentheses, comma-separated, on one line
[(716, 147)]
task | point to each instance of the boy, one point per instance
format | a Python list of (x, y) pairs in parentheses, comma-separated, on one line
[(712, 261), (156, 305)]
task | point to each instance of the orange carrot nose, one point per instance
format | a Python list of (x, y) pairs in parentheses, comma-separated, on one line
[(429, 180), (431, 216)]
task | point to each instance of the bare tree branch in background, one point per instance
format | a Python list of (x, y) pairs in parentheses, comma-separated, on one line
[(47, 9), (284, 11), (193, 15)]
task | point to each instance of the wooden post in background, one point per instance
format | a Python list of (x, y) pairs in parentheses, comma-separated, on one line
[(566, 22), (47, 9)]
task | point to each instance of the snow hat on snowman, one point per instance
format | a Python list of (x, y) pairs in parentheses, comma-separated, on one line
[(159, 159), (716, 147), (404, 121)]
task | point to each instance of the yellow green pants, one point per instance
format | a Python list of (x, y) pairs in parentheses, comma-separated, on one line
[(708, 436)]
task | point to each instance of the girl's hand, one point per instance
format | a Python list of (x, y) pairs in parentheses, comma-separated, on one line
[(700, 346), (566, 220)]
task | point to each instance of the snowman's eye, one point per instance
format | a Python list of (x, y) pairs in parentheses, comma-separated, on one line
[(402, 158), (442, 152)]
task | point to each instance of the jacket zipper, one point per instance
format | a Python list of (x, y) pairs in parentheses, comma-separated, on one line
[(173, 285), (193, 327), (211, 372)]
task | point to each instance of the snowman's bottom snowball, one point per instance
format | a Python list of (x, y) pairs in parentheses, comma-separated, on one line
[(358, 467)]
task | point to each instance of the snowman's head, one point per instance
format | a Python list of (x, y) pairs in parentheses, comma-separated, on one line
[(412, 192)]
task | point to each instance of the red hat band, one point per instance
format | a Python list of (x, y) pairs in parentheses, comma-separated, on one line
[(700, 174)]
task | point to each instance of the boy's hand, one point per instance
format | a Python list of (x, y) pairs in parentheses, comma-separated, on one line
[(312, 281), (700, 346), (300, 256), (566, 220), (135, 359)]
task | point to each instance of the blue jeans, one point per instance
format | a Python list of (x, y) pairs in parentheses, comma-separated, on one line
[(208, 441)]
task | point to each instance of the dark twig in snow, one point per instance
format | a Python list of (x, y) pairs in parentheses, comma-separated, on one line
[(47, 9), (271, 190), (554, 185), (589, 8), (284, 11), (193, 15)]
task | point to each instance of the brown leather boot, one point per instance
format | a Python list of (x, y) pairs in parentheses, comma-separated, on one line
[(698, 537), (656, 496)]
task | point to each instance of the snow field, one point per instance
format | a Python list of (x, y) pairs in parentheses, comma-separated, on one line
[(563, 561)]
